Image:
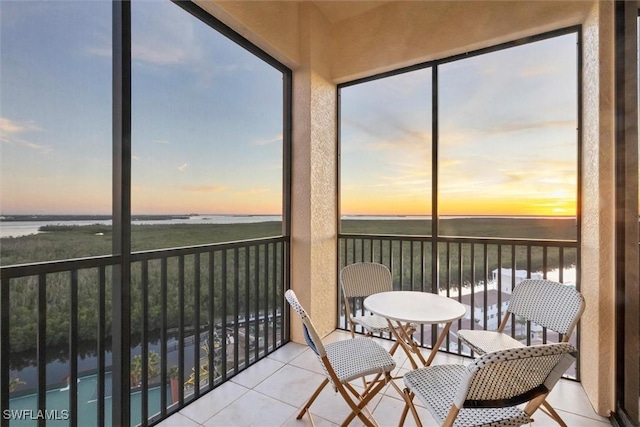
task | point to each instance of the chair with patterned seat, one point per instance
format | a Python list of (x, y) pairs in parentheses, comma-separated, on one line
[(488, 392), (346, 361), (549, 304), (358, 281)]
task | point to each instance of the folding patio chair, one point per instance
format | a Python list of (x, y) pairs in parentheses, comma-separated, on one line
[(345, 361), (549, 304), (360, 280), (488, 391)]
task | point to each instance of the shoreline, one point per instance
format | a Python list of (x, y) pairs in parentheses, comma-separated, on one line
[(34, 218), (168, 217)]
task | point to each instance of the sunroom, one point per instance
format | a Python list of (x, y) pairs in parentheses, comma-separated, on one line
[(396, 132)]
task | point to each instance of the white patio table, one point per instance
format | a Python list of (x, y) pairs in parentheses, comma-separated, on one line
[(404, 308)]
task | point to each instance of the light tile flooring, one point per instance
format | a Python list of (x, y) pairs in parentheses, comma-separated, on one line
[(271, 392)]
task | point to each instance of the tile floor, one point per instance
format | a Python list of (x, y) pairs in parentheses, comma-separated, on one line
[(271, 392)]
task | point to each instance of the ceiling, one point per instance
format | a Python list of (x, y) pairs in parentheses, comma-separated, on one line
[(336, 11)]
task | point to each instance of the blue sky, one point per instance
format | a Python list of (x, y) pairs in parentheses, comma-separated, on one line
[(207, 115)]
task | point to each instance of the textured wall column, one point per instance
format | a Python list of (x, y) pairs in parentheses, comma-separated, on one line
[(598, 210), (314, 232)]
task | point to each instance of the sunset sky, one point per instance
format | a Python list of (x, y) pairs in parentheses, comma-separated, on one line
[(507, 134), (207, 115), (207, 126)]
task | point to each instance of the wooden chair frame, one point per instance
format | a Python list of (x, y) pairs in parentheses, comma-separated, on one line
[(540, 301), (361, 356), (475, 390)]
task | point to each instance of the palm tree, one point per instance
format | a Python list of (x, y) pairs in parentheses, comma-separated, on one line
[(136, 371), (14, 383), (153, 365), (153, 368)]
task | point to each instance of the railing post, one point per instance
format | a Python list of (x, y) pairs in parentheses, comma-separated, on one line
[(4, 348), (73, 349), (121, 313), (41, 346)]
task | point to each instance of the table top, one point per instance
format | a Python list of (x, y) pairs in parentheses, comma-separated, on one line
[(414, 307)]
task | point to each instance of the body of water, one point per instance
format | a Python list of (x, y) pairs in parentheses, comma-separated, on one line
[(25, 408), (24, 228)]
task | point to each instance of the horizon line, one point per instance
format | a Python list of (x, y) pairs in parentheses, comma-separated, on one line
[(280, 214)]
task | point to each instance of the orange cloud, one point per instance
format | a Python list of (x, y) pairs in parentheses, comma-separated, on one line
[(205, 188)]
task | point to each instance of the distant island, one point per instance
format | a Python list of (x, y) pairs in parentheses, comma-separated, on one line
[(11, 218)]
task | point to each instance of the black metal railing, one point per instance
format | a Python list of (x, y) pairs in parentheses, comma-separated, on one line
[(478, 272), (199, 316)]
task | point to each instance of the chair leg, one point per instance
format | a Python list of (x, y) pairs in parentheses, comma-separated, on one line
[(546, 407), (367, 384), (408, 405), (406, 331), (534, 404), (357, 409), (355, 393), (394, 347), (313, 397), (403, 416)]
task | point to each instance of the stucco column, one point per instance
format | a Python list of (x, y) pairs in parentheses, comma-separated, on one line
[(598, 210), (314, 186)]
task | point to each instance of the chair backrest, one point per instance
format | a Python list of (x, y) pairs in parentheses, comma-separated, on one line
[(310, 334), (514, 376), (365, 278), (549, 304)]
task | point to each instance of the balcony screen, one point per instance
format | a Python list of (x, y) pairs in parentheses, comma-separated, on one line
[(506, 143), (55, 126), (206, 137), (385, 157), (508, 139)]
